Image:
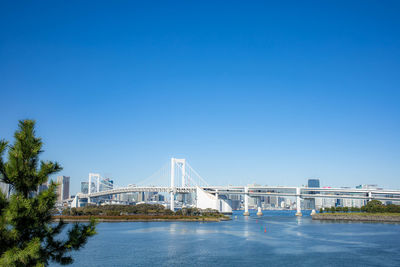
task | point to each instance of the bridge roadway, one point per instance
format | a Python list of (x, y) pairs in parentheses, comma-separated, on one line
[(256, 191)]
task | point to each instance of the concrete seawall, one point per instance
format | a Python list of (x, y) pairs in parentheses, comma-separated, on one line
[(357, 217)]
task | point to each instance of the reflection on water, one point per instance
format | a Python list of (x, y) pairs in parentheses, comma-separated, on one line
[(246, 226), (172, 228), (278, 238)]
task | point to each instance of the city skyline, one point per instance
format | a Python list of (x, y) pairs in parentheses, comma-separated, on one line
[(108, 184), (248, 94)]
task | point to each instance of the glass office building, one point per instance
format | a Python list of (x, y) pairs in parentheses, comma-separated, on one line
[(313, 183)]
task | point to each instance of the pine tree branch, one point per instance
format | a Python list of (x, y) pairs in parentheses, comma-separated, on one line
[(27, 237), (46, 169), (3, 174)]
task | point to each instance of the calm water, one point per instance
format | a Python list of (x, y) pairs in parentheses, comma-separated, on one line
[(288, 241)]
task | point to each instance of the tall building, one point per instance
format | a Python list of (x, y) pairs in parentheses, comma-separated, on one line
[(353, 203), (319, 203), (128, 197), (141, 197), (311, 203), (84, 187), (280, 200), (157, 197), (273, 200), (235, 200), (62, 188), (328, 202), (313, 183)]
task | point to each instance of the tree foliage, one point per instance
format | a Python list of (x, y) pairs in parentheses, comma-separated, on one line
[(373, 206), (115, 210), (140, 209), (27, 235)]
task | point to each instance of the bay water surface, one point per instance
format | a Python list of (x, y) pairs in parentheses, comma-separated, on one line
[(278, 238)]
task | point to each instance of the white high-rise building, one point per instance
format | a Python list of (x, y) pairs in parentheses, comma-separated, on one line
[(357, 203), (328, 202), (318, 203)]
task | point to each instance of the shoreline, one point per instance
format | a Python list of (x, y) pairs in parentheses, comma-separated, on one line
[(358, 217), (133, 218)]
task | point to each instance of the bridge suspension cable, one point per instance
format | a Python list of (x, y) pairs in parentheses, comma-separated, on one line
[(159, 178), (192, 178), (162, 177)]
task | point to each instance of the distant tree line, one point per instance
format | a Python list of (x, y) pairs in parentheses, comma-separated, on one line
[(140, 209), (373, 206)]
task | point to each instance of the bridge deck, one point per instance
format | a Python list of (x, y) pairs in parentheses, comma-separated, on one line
[(305, 192)]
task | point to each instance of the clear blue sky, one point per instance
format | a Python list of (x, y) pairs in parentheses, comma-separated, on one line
[(265, 92)]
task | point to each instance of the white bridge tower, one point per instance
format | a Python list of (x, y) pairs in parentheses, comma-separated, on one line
[(176, 162)]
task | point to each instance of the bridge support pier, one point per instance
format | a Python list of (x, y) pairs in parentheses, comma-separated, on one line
[(75, 202), (259, 210), (172, 197), (298, 202), (246, 201)]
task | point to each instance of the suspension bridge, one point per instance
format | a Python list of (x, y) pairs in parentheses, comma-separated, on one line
[(179, 178)]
